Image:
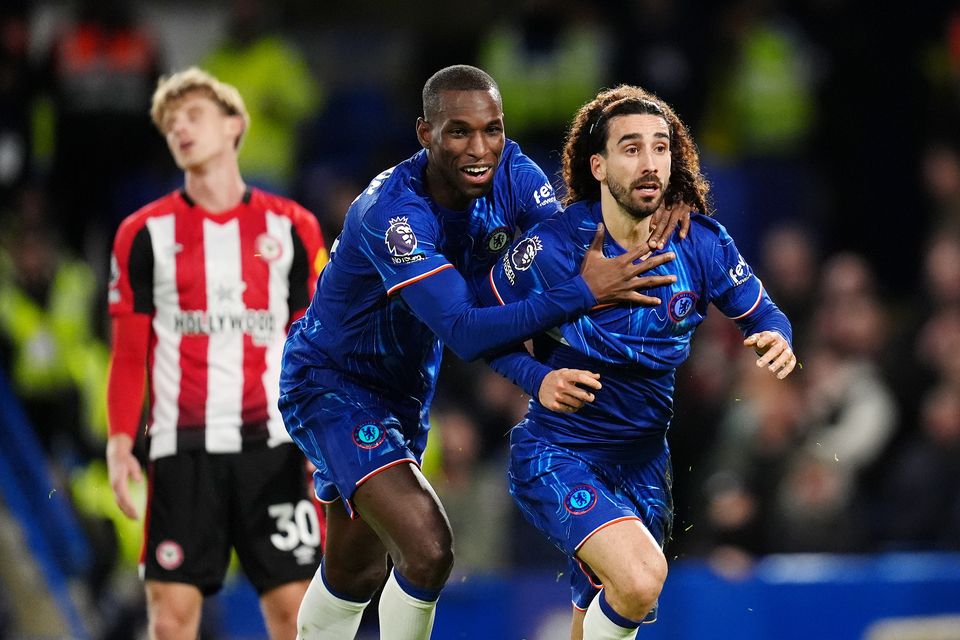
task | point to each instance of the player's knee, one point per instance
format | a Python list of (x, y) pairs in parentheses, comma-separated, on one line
[(634, 594), (172, 615), (169, 624), (429, 563)]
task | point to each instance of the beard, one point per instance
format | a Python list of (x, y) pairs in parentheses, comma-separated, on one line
[(637, 210)]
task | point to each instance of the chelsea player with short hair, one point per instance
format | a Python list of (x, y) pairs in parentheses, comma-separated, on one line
[(359, 369), (593, 475)]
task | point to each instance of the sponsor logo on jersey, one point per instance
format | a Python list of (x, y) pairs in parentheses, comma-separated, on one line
[(498, 239), (377, 181), (740, 273), (268, 247), (580, 499), (508, 270), (113, 296), (258, 323), (169, 555), (417, 257), (522, 256), (369, 435), (400, 238), (544, 195), (681, 304), (305, 555)]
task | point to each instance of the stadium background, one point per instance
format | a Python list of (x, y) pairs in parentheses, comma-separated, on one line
[(830, 130)]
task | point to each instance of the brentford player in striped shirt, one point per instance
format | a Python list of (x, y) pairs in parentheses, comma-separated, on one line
[(204, 283)]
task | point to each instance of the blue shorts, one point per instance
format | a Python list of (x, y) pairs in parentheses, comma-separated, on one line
[(569, 497), (350, 433)]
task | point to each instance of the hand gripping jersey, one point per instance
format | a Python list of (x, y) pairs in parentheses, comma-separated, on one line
[(395, 235), (635, 349), (220, 290)]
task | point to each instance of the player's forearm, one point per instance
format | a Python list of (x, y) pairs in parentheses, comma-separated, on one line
[(445, 304), (520, 368), (767, 317)]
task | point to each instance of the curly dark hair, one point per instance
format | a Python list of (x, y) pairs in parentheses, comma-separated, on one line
[(588, 135)]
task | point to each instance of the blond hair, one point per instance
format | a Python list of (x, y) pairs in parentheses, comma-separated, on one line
[(171, 89)]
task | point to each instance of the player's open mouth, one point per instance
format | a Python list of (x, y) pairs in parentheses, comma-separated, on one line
[(477, 173), (648, 188)]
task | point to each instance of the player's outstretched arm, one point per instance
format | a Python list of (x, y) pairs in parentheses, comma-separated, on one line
[(775, 352), (613, 280), (567, 390)]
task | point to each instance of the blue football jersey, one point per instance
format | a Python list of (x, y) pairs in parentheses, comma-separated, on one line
[(395, 235), (635, 349)]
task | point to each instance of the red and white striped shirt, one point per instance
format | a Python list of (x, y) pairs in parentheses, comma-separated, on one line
[(220, 290)]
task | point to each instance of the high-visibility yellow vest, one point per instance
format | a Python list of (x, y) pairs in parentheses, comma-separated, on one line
[(53, 346)]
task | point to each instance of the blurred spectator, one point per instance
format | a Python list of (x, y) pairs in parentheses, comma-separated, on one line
[(16, 94), (850, 416), (548, 58), (926, 346), (761, 110), (757, 442), (851, 412), (790, 268), (279, 90), (920, 499), (941, 180), (942, 269), (56, 364), (99, 74), (817, 509)]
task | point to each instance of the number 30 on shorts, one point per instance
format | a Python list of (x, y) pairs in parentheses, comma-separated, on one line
[(296, 525)]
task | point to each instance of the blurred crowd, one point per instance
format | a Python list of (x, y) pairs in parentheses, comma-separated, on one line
[(830, 133)]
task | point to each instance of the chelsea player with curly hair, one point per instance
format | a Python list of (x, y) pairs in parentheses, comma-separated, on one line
[(594, 476)]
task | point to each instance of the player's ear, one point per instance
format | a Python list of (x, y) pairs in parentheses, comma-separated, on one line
[(424, 133), (598, 167), (235, 126)]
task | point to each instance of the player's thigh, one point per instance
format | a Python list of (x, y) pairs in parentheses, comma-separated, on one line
[(188, 531), (274, 524), (403, 509), (623, 554)]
